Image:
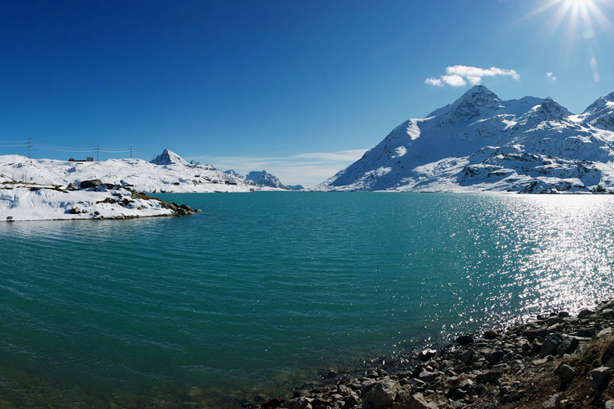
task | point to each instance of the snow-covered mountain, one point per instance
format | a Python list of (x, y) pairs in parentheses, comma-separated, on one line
[(481, 143), (168, 157), (263, 178), (168, 173)]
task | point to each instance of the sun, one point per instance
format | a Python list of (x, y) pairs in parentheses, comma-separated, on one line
[(577, 16)]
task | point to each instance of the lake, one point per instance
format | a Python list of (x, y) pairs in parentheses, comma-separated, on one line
[(261, 291)]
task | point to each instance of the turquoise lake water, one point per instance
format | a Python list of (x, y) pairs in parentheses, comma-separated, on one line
[(260, 291)]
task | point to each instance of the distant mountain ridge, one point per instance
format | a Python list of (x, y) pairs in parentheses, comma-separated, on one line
[(263, 178), (482, 143), (167, 173)]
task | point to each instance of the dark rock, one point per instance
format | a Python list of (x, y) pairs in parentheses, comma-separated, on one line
[(272, 403), (72, 186), (464, 340), (93, 183), (599, 378), (490, 377), (568, 346), (565, 373), (481, 389), (467, 356), (491, 334), (494, 356), (584, 313), (550, 345)]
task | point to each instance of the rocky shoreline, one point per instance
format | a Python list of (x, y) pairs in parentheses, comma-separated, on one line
[(556, 361)]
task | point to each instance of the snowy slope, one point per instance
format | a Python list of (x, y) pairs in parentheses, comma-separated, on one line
[(167, 173), (263, 178), (481, 143), (21, 201)]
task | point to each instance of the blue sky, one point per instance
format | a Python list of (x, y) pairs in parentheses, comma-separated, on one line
[(299, 88)]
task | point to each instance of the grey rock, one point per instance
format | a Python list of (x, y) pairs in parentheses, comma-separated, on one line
[(607, 313), (609, 404), (72, 186), (381, 395), (554, 402), (604, 332), (428, 377), (417, 401)]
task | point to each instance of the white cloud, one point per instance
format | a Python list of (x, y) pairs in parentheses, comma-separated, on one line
[(550, 76), (459, 75), (307, 169), (454, 80), (436, 82)]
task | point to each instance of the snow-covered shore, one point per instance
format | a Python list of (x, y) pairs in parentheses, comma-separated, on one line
[(28, 201)]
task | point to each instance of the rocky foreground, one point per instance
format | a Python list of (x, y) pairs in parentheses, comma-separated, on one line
[(557, 361)]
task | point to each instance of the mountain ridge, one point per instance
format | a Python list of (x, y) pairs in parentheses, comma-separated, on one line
[(482, 143)]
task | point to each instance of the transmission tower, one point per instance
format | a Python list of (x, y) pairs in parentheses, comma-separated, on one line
[(97, 153), (30, 148), (130, 152)]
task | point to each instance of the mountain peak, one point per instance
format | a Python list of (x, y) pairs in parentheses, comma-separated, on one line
[(263, 178), (477, 101), (600, 103), (168, 157)]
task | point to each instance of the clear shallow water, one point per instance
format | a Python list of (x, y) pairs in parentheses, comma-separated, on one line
[(260, 291)]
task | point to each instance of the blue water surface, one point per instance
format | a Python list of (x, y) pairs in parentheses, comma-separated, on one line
[(259, 291)]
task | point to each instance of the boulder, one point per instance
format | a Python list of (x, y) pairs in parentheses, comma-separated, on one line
[(599, 378), (565, 373), (93, 183), (381, 395), (427, 376)]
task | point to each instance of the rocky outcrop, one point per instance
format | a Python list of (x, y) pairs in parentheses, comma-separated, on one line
[(555, 361)]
